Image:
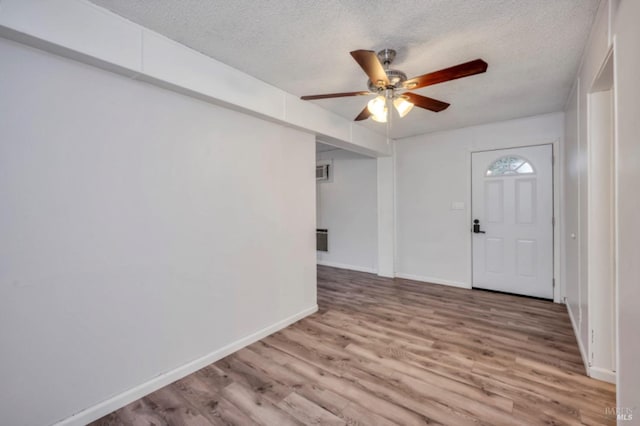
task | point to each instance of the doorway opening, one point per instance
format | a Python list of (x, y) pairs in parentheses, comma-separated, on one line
[(346, 209)]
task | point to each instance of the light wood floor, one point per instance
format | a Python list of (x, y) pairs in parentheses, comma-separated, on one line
[(385, 352)]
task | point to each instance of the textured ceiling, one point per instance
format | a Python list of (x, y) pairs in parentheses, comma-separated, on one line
[(533, 48)]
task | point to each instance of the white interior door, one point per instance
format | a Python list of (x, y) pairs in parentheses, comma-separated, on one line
[(512, 200)]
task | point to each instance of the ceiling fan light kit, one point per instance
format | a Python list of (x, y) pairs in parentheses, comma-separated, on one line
[(392, 86), (378, 109), (402, 105)]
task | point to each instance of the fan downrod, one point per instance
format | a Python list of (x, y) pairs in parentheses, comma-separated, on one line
[(386, 56)]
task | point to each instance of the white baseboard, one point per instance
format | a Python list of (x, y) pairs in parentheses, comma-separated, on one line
[(583, 353), (432, 280), (603, 374), (350, 267), (594, 372), (95, 412), (386, 275)]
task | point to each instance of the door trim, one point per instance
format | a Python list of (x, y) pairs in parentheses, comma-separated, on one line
[(557, 192)]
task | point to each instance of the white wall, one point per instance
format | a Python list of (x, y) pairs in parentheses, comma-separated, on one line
[(89, 33), (386, 216), (141, 230), (627, 69), (432, 172), (616, 28), (347, 206), (571, 218)]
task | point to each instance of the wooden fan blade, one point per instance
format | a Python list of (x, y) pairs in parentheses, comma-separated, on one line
[(334, 95), (477, 66), (364, 114), (426, 103), (369, 62)]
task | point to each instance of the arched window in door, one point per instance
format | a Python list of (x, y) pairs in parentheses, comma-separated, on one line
[(510, 165)]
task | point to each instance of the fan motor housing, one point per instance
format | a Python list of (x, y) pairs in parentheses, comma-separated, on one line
[(396, 78)]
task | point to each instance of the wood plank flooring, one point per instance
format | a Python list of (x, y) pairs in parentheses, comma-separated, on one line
[(394, 352)]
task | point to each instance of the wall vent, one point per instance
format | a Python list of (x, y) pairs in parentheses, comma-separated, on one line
[(322, 172), (322, 240)]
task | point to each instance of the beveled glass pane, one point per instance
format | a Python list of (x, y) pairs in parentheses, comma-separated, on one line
[(509, 165)]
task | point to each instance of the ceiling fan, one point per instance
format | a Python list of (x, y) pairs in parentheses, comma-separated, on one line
[(392, 86)]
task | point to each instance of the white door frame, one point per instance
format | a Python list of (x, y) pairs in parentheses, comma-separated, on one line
[(557, 189), (596, 343)]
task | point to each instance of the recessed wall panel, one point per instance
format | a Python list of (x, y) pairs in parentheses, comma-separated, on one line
[(494, 201), (526, 202)]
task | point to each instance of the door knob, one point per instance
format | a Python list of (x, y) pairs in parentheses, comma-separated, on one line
[(476, 227)]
